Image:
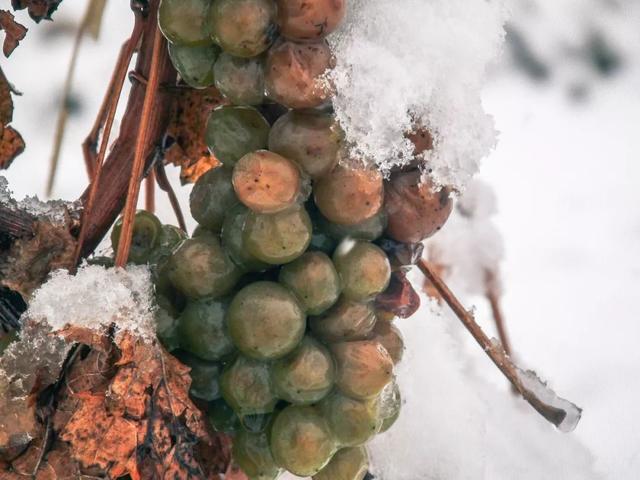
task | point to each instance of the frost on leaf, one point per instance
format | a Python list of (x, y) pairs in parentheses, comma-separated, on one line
[(185, 138), (412, 65)]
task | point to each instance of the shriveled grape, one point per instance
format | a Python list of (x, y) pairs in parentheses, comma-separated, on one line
[(203, 330), (415, 210), (194, 64), (314, 280), (309, 138), (307, 21), (240, 80), (353, 422), (306, 375), (201, 268), (147, 231), (233, 242), (293, 75), (347, 320), (349, 196), (244, 28), (265, 321), (278, 238), (347, 464), (234, 131), (301, 440), (266, 182), (185, 22), (363, 267), (364, 368), (389, 336), (211, 198), (252, 453), (246, 387)]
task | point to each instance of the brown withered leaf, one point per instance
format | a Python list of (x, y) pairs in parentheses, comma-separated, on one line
[(38, 9), (186, 132), (13, 31), (11, 145)]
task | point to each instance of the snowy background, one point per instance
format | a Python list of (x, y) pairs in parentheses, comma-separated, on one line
[(565, 173)]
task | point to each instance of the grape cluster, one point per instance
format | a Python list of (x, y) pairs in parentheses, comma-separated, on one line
[(272, 300)]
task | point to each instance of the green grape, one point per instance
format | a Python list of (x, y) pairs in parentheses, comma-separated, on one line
[(308, 137), (234, 131), (102, 261), (212, 197), (308, 21), (166, 325), (353, 422), (199, 231), (364, 368), (390, 405), (240, 80), (364, 269), (194, 64), (205, 377), (233, 240), (369, 230), (244, 28), (201, 268), (170, 238), (185, 22), (278, 238), (252, 453), (294, 74), (314, 280), (246, 387), (301, 440), (256, 423), (221, 416), (389, 336), (147, 231), (322, 242), (347, 320), (306, 375), (203, 330), (349, 196), (347, 464), (265, 321)]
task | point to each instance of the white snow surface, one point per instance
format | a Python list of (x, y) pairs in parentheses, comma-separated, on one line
[(411, 63), (95, 298)]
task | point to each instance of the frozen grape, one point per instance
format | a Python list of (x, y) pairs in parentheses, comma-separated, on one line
[(194, 64), (370, 229), (306, 375), (309, 138), (205, 377), (252, 453), (352, 422), (203, 331), (166, 325), (147, 231), (233, 242), (278, 238), (234, 131), (240, 80), (246, 387), (185, 22), (307, 21), (212, 197), (221, 416), (364, 368), (293, 75), (265, 321), (390, 405), (244, 28), (266, 182), (347, 464), (349, 196), (301, 440), (416, 211), (389, 336), (363, 267), (201, 268), (347, 320), (314, 280)]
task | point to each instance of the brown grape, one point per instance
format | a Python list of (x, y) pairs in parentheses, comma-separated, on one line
[(303, 20)]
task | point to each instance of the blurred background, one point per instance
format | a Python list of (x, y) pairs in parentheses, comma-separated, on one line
[(565, 96)]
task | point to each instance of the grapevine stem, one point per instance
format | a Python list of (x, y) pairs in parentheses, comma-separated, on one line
[(494, 350), (165, 186), (150, 192), (137, 168)]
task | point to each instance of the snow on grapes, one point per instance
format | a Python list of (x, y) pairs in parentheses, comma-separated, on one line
[(408, 64)]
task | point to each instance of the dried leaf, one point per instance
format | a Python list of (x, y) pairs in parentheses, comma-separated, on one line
[(6, 102), (11, 145), (13, 31), (186, 132), (38, 9)]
